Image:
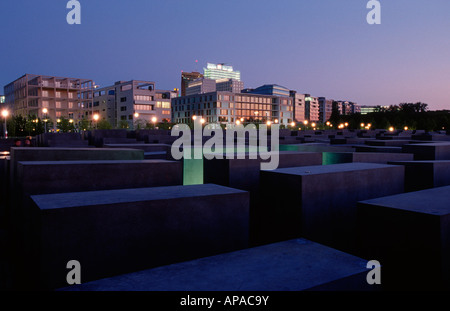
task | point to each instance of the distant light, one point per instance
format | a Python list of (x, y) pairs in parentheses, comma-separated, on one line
[(362, 124), (5, 113), (194, 117), (154, 119), (58, 120), (268, 123), (313, 124), (96, 117), (202, 120), (45, 110), (238, 122), (391, 129), (346, 123), (405, 128), (276, 120), (328, 123), (71, 121), (293, 124), (136, 115), (305, 122), (242, 119)]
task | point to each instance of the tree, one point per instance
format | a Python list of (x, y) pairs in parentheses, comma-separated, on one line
[(123, 124), (65, 126), (104, 125), (84, 125)]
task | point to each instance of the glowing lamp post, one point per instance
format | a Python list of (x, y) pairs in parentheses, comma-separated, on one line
[(45, 111), (96, 117), (5, 114)]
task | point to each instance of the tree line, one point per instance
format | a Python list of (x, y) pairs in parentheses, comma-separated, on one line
[(414, 116)]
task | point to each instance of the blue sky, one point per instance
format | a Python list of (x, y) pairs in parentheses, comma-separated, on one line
[(321, 47)]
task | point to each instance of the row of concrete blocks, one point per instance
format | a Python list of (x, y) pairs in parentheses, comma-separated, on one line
[(72, 209), (404, 232)]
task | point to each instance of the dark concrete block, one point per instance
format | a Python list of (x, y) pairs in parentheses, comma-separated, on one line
[(429, 151), (389, 143), (319, 202), (71, 154), (317, 147), (383, 149), (41, 177), (409, 234), (4, 188), (420, 175), (61, 140), (295, 265), (367, 157), (121, 231), (244, 173), (142, 146)]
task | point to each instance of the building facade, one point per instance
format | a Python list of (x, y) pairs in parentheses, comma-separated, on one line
[(132, 102), (61, 97), (229, 85), (270, 89), (345, 107), (325, 109), (2, 102), (298, 102), (187, 77), (200, 86), (311, 108), (220, 71), (228, 107), (370, 109)]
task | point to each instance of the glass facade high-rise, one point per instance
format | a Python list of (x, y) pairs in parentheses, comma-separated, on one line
[(221, 71)]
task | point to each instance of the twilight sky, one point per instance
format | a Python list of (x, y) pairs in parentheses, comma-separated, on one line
[(321, 47)]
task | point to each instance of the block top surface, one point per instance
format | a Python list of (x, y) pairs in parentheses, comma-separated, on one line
[(333, 168), (104, 197), (288, 266), (430, 144), (420, 162), (70, 149), (433, 201), (94, 162)]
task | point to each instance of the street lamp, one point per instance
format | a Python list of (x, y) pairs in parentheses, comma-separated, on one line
[(96, 117), (44, 111), (5, 114)]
